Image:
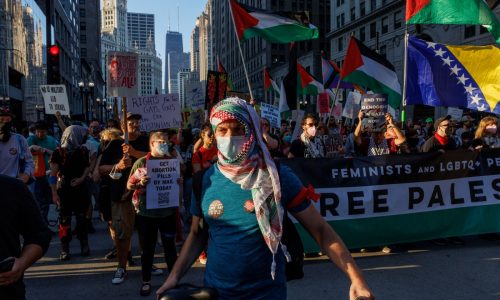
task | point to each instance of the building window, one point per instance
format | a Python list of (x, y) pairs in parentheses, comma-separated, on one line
[(373, 5), (373, 30), (482, 30), (83, 26), (383, 51), (82, 13), (83, 52), (397, 19), (340, 2), (385, 25), (83, 38), (340, 44), (362, 34), (362, 10), (353, 13), (470, 31)]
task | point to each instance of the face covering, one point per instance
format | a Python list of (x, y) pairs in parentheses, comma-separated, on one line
[(230, 147), (5, 131), (162, 149), (491, 129), (311, 131), (287, 138)]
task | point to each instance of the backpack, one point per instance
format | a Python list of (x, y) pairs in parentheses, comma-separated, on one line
[(294, 269)]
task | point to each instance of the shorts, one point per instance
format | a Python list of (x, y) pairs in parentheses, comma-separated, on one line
[(123, 219)]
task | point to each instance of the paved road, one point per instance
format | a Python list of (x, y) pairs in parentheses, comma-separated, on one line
[(421, 271)]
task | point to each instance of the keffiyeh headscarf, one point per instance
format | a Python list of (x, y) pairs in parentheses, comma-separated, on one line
[(251, 169), (314, 146), (73, 137)]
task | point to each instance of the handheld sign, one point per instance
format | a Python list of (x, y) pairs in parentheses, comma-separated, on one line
[(157, 111), (375, 107), (271, 113), (55, 99), (163, 190), (122, 74)]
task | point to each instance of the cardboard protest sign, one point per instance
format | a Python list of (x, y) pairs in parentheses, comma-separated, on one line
[(194, 97), (122, 74), (55, 99), (323, 103), (455, 113), (375, 107), (157, 111), (195, 118), (271, 113), (163, 190)]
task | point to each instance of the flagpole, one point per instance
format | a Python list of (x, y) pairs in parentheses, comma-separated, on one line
[(334, 100), (405, 65), (241, 52)]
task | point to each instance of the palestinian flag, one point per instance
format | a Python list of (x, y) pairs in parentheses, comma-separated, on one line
[(372, 71), (453, 12), (271, 26), (269, 83), (221, 69), (306, 83)]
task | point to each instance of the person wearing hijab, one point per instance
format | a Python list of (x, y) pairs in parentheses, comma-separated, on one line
[(243, 197), (69, 167)]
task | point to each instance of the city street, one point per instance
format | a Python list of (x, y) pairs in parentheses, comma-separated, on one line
[(421, 271)]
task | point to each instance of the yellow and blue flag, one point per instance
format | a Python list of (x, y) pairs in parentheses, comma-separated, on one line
[(459, 76)]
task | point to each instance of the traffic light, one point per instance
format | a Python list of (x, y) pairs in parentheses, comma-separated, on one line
[(53, 71)]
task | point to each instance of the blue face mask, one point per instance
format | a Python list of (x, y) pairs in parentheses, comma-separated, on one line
[(231, 146), (162, 149), (287, 138)]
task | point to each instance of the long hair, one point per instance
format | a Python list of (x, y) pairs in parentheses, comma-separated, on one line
[(482, 126)]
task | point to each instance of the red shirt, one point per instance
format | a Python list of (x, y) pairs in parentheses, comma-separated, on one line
[(205, 157)]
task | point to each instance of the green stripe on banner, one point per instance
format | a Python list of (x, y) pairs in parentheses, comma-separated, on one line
[(283, 33), (362, 233)]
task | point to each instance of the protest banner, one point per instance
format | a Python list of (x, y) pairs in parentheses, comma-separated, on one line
[(271, 113), (337, 111), (375, 107), (193, 118), (216, 88), (162, 190), (332, 144), (194, 97), (455, 113), (351, 107), (388, 199), (157, 111), (122, 74), (324, 103), (55, 99)]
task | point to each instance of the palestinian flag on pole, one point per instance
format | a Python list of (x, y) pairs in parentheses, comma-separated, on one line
[(269, 83), (372, 71), (221, 69), (271, 26), (306, 83), (453, 12)]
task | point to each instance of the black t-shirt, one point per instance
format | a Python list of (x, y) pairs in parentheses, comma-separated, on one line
[(71, 164), (432, 145), (298, 148), (113, 154)]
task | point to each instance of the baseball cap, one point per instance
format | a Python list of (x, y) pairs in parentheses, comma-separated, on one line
[(438, 121), (428, 120), (133, 116), (5, 111)]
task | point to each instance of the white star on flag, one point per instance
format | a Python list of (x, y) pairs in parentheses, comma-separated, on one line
[(431, 45), (462, 79), (481, 108), (439, 52), (455, 70), (475, 100), (470, 88), (447, 61)]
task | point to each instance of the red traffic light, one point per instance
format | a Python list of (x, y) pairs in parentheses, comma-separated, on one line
[(54, 50)]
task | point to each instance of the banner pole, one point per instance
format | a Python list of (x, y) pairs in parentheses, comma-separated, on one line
[(124, 111), (241, 52), (334, 100), (405, 66)]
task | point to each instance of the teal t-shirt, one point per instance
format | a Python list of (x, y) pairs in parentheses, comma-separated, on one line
[(48, 142), (239, 261)]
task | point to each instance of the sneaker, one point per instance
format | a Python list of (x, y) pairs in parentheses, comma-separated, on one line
[(119, 276), (64, 256), (156, 271), (111, 254), (203, 258)]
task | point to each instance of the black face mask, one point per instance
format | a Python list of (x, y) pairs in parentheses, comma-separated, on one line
[(5, 131)]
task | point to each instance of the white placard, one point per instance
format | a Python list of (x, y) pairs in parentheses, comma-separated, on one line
[(352, 105), (55, 99), (157, 111), (195, 96), (299, 115), (122, 79), (455, 113), (271, 113), (162, 190)]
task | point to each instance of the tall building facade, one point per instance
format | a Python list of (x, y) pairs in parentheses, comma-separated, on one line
[(194, 58), (114, 22), (182, 78), (207, 39), (173, 43), (140, 29), (176, 61)]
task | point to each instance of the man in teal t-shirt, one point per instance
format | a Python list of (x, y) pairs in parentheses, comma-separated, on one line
[(42, 144)]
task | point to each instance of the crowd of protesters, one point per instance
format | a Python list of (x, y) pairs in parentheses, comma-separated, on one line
[(96, 166)]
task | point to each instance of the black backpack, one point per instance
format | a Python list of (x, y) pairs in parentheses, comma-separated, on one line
[(293, 269)]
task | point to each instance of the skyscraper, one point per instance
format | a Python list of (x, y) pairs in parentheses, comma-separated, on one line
[(195, 49), (173, 43), (140, 27)]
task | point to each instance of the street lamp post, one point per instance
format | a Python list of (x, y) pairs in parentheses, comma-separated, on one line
[(86, 90), (101, 108), (39, 109)]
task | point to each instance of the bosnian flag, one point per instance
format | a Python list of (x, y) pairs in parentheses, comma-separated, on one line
[(372, 71), (271, 26), (307, 84)]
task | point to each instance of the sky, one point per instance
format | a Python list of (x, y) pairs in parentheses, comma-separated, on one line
[(189, 10)]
